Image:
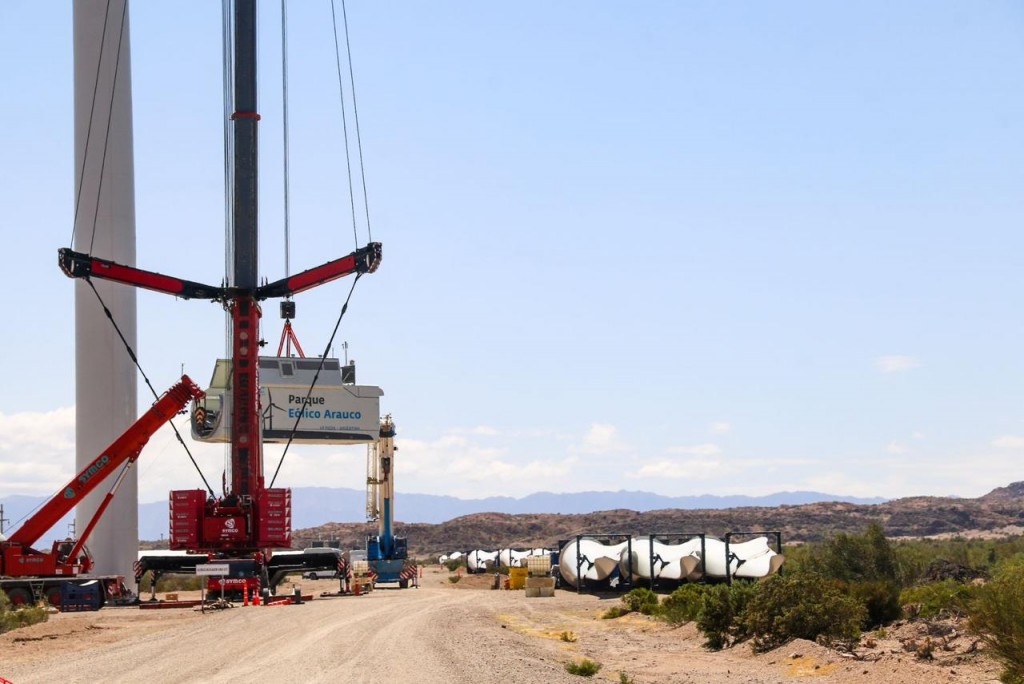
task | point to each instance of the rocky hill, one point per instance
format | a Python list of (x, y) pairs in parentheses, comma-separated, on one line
[(998, 512)]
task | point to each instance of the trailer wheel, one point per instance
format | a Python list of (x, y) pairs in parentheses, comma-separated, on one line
[(19, 597), (53, 596), (403, 584)]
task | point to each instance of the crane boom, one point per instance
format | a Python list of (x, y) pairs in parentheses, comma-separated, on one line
[(78, 265), (125, 448)]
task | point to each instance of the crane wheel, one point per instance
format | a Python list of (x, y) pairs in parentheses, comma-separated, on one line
[(53, 596), (19, 597)]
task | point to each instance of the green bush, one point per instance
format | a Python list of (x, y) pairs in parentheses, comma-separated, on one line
[(855, 558), (11, 618), (171, 583), (583, 668), (997, 615), (803, 606), (936, 598), (642, 601), (881, 601), (683, 604), (721, 614), (615, 612), (455, 564)]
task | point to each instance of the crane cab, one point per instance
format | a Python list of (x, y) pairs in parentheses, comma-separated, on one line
[(335, 411)]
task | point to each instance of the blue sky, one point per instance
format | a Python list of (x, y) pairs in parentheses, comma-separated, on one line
[(685, 247)]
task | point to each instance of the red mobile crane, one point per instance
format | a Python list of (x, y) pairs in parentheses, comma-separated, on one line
[(249, 519), (27, 574)]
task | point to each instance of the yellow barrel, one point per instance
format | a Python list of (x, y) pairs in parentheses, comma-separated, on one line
[(517, 577)]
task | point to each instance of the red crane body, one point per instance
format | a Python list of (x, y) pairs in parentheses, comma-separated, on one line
[(19, 559), (248, 520)]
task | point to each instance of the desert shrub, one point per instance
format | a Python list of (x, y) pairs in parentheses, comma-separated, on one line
[(454, 579), (683, 604), (881, 601), (721, 614), (626, 679), (855, 557), (916, 559), (615, 612), (935, 598), (583, 667), (569, 637), (803, 606), (171, 583), (642, 601), (997, 615), (455, 564), (11, 618)]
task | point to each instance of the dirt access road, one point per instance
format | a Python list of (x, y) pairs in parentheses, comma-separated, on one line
[(442, 632)]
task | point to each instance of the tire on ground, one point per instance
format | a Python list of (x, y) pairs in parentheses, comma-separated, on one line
[(19, 597)]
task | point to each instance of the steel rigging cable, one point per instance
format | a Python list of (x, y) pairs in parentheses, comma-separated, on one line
[(99, 192)]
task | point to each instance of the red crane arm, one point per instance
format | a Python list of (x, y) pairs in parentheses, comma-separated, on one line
[(126, 447), (78, 265), (363, 260)]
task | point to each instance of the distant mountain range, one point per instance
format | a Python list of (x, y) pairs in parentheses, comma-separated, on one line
[(315, 506)]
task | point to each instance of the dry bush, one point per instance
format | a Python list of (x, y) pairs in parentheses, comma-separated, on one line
[(997, 615)]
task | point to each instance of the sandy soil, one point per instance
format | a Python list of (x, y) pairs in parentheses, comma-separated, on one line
[(445, 632)]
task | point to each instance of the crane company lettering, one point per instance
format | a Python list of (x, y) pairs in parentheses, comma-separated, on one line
[(96, 467)]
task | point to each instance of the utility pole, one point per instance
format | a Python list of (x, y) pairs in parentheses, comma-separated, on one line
[(2, 519)]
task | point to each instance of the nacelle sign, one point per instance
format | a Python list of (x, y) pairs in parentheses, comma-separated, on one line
[(348, 414)]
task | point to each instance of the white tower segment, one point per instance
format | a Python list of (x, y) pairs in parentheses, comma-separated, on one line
[(105, 378)]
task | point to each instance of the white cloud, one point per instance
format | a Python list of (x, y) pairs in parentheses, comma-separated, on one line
[(720, 427), (1008, 442), (459, 465), (896, 448), (918, 435), (481, 430), (37, 451), (896, 364), (692, 469), (601, 438), (696, 450)]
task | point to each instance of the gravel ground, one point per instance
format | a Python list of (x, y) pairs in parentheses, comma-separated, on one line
[(441, 632)]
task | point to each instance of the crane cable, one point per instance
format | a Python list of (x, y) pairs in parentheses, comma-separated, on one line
[(344, 120), (88, 132), (134, 358), (355, 113), (99, 191), (284, 127), (309, 392), (348, 161)]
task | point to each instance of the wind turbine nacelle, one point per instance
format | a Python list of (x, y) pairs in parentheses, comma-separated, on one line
[(333, 412)]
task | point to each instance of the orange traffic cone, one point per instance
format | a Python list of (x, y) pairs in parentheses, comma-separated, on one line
[(256, 598), (245, 597), (355, 588)]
